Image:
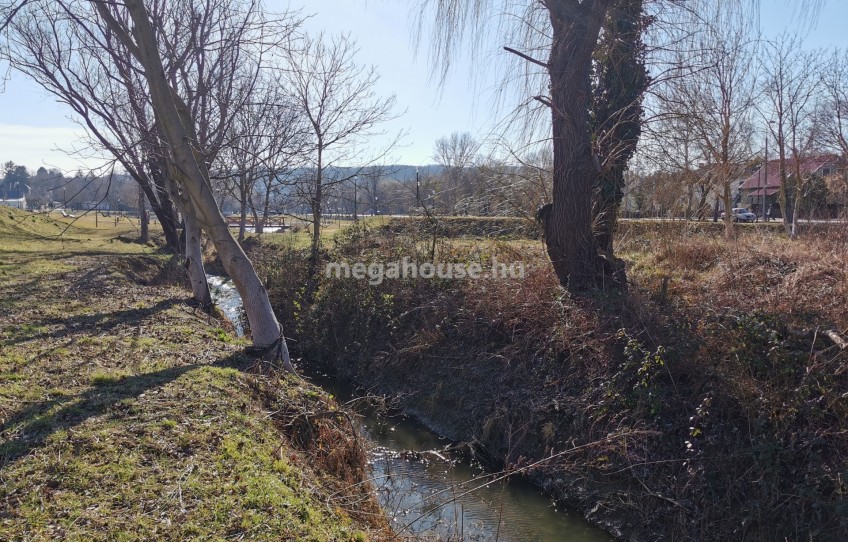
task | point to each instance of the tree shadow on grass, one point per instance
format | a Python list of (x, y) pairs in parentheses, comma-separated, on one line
[(32, 426), (100, 322)]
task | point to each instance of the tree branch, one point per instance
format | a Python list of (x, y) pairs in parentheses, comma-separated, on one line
[(12, 14), (527, 58)]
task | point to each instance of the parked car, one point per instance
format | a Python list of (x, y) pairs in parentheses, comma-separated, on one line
[(740, 214)]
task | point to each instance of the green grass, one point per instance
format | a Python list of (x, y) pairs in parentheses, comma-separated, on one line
[(123, 412)]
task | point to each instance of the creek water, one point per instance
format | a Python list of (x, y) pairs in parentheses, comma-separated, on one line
[(430, 495), (227, 298)]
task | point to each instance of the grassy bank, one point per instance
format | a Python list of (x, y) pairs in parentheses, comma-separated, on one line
[(128, 414), (706, 403)]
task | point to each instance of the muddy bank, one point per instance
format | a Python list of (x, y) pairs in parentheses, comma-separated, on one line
[(432, 487), (498, 412), (692, 408)]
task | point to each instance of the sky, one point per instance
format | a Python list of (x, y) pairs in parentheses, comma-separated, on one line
[(35, 130)]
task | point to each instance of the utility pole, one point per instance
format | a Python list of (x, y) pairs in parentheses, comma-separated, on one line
[(417, 188)]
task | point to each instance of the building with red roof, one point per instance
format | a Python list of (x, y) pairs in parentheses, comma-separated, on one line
[(762, 189)]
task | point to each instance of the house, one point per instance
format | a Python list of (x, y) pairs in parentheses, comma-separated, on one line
[(762, 189), (19, 203)]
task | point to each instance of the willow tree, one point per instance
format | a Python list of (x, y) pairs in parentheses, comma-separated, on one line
[(556, 41), (619, 85)]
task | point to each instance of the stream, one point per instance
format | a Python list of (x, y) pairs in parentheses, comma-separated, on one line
[(430, 495)]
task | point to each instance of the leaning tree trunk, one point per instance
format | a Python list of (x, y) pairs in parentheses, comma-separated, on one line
[(177, 126), (192, 252), (568, 225), (194, 258)]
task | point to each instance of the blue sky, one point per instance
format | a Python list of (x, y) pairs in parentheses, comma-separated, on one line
[(33, 126)]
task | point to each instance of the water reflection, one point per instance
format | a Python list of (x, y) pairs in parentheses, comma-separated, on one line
[(428, 495)]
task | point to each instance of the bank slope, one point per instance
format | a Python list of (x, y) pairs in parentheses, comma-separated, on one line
[(126, 414)]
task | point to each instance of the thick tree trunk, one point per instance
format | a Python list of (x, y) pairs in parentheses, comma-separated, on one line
[(162, 203), (568, 228), (616, 115), (173, 116), (606, 212)]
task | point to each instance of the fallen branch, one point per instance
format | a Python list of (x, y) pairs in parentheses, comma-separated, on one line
[(836, 338)]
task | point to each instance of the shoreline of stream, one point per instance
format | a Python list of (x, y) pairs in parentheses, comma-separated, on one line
[(426, 490)]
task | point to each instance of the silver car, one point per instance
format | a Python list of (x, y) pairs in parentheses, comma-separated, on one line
[(740, 214)]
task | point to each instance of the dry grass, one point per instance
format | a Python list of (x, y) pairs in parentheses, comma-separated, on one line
[(710, 409)]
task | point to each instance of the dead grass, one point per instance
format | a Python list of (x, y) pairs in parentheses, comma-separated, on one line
[(709, 403)]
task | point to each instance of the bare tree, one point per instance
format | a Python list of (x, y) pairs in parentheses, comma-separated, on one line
[(792, 78), (518, 184), (338, 101), (834, 105), (189, 168), (266, 139), (86, 69), (715, 100), (832, 117), (457, 154), (672, 147)]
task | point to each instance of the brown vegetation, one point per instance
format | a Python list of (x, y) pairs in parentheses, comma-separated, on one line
[(707, 403)]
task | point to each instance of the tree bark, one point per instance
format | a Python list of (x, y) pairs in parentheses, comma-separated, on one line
[(173, 117), (143, 217), (192, 250), (570, 242), (620, 83), (163, 206), (194, 259)]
